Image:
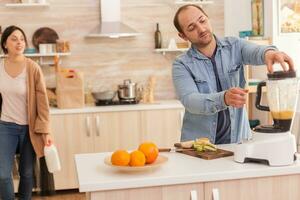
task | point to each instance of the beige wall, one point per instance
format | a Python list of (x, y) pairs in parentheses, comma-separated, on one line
[(106, 62)]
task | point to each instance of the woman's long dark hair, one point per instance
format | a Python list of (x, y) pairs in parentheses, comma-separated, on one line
[(6, 33)]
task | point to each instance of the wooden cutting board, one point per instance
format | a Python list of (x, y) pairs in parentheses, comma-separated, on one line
[(208, 155)]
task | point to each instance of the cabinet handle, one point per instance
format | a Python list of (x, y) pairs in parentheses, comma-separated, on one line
[(215, 194), (88, 126), (98, 125), (181, 117), (194, 195)]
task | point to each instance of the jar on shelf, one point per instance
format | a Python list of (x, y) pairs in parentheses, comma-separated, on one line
[(62, 46)]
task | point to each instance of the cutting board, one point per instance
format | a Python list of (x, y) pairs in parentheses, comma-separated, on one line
[(208, 155)]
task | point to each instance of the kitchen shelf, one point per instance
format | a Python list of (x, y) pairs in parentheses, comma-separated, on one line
[(45, 56), (26, 5), (42, 55), (164, 51), (200, 2)]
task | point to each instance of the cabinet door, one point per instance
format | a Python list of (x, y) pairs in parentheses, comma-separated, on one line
[(269, 188), (162, 126), (183, 192), (172, 192), (72, 134), (117, 130)]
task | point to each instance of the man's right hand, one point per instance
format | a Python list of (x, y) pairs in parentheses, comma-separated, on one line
[(235, 97)]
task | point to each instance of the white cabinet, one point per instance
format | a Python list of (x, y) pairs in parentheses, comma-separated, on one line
[(171, 192), (117, 130), (72, 134), (163, 127), (268, 188)]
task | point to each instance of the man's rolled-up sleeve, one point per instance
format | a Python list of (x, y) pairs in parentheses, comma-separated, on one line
[(187, 91), (253, 54)]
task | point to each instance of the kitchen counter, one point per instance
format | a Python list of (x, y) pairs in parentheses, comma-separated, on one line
[(94, 175), (165, 104)]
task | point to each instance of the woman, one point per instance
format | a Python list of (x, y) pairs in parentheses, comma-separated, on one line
[(24, 122)]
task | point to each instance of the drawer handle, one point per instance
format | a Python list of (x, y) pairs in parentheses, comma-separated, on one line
[(88, 127), (215, 194), (194, 195), (98, 125)]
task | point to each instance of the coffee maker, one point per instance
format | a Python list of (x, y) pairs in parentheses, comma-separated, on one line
[(274, 143)]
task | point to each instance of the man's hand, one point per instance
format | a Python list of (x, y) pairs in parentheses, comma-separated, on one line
[(235, 97), (272, 56)]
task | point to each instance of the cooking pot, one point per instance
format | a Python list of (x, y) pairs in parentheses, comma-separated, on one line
[(127, 91), (107, 95)]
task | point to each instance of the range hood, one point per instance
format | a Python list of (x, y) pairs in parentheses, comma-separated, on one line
[(111, 25)]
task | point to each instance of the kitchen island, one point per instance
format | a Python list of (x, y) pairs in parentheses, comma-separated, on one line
[(98, 129), (184, 177)]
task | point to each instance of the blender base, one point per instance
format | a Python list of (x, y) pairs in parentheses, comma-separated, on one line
[(276, 149)]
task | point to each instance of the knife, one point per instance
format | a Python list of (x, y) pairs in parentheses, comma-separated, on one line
[(175, 149)]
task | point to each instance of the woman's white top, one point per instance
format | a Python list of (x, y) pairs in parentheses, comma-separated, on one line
[(14, 96)]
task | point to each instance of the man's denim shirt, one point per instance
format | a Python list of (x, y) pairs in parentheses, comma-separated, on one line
[(195, 85)]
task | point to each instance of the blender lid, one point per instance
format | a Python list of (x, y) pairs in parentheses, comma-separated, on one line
[(282, 75)]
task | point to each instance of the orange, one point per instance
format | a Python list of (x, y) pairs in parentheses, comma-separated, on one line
[(150, 150), (120, 158), (137, 158)]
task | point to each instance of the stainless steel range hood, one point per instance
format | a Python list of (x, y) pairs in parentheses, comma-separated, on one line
[(111, 25)]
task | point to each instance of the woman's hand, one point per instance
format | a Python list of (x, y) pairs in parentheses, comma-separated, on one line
[(47, 139)]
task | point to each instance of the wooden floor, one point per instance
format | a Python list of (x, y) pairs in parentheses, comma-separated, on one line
[(62, 195)]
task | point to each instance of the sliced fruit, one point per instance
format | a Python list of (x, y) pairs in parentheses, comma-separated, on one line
[(187, 144), (209, 148)]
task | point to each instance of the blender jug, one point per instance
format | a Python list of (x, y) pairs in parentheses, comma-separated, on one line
[(282, 90)]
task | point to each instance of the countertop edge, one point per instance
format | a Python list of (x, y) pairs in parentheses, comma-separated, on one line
[(159, 105), (92, 187)]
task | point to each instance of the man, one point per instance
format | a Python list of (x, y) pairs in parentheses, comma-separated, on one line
[(209, 78)]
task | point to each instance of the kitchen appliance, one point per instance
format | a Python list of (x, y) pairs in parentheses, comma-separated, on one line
[(115, 103), (110, 22), (127, 91), (105, 96), (282, 88), (273, 144)]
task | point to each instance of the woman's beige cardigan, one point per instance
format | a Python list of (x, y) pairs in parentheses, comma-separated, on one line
[(37, 107)]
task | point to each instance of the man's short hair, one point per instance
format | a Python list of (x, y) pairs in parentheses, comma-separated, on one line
[(176, 21)]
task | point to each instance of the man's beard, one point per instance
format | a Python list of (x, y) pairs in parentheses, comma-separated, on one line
[(204, 42)]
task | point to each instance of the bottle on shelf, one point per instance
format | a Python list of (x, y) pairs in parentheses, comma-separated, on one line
[(157, 37), (257, 17)]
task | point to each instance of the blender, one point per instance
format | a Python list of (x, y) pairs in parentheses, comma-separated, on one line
[(273, 144)]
